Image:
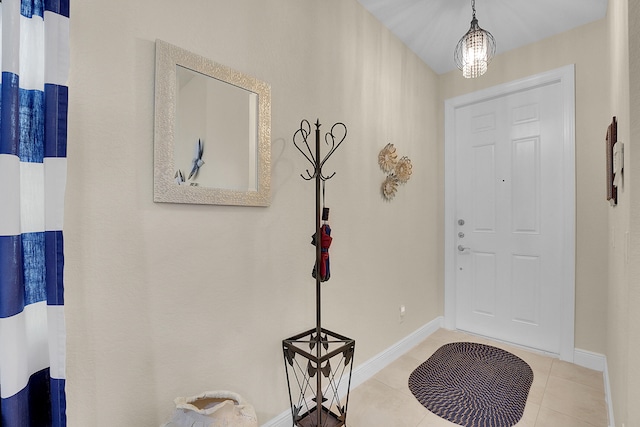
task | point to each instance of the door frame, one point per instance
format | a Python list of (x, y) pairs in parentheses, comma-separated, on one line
[(565, 76)]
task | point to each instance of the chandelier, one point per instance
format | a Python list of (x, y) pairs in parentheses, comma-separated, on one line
[(475, 49)]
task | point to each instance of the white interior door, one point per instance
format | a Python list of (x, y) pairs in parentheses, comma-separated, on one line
[(510, 218)]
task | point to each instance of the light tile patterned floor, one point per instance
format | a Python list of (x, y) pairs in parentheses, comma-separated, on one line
[(562, 394)]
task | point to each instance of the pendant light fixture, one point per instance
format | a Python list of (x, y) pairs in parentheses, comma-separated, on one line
[(475, 49)]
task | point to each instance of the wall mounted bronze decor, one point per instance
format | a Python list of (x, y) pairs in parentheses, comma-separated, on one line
[(387, 158), (318, 362), (611, 140), (398, 170)]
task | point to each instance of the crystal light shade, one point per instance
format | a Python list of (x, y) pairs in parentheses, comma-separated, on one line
[(474, 51)]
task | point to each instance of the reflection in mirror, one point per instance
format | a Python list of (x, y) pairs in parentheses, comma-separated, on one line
[(219, 120), (212, 132)]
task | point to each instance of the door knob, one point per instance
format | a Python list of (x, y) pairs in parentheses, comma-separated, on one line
[(462, 248)]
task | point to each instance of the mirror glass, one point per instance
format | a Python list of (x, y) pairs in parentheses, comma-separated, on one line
[(212, 132)]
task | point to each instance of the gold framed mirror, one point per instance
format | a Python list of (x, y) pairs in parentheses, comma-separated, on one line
[(212, 137)]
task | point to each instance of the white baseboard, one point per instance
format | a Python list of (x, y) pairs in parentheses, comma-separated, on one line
[(282, 420), (597, 362), (607, 394), (368, 369), (590, 360)]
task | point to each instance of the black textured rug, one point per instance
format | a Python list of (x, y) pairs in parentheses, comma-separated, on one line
[(473, 385)]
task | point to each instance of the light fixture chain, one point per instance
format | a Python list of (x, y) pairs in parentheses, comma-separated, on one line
[(473, 7)]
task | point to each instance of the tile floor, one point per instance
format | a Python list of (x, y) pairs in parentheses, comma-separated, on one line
[(562, 394)]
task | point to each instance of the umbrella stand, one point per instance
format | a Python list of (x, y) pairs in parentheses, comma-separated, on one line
[(318, 362)]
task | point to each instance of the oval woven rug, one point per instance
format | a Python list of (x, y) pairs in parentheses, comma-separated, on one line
[(473, 385)]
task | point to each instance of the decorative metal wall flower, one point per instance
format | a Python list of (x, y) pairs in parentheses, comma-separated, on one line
[(389, 187), (387, 158), (403, 169), (398, 171)]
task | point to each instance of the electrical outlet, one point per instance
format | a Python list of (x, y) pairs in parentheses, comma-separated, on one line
[(403, 311)]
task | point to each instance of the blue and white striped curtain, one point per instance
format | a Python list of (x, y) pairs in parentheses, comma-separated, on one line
[(33, 169)]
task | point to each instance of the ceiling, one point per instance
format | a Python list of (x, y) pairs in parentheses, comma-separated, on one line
[(432, 28)]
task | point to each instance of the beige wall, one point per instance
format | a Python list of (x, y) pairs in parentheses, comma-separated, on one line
[(623, 333), (171, 300), (633, 319), (618, 307), (168, 300), (592, 117)]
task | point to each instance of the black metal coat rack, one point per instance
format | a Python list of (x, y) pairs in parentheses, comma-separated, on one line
[(329, 358)]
